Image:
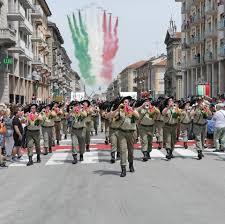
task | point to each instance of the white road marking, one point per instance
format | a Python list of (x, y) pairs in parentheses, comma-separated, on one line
[(59, 159), (90, 157), (155, 153), (185, 152), (23, 161)]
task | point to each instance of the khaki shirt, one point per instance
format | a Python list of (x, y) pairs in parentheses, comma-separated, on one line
[(78, 120), (169, 117), (33, 125), (185, 117), (126, 123), (198, 117), (146, 118)]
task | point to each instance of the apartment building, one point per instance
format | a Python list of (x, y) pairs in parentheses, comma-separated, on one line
[(15, 41), (150, 76), (203, 45), (128, 77), (173, 76)]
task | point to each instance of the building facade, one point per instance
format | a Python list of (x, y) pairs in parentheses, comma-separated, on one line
[(173, 76), (34, 65), (150, 76), (203, 45)]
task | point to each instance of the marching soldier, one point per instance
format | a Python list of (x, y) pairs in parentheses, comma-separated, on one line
[(147, 115), (127, 117), (47, 128), (113, 134), (200, 113), (88, 122), (57, 119), (78, 132), (171, 114), (159, 124), (33, 134), (185, 122), (64, 120), (95, 118)]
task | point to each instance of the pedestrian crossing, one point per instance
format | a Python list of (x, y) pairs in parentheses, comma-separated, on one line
[(64, 157)]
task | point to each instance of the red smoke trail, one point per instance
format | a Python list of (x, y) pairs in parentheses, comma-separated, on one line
[(110, 47)]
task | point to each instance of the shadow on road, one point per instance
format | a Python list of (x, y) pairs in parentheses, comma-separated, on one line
[(107, 172)]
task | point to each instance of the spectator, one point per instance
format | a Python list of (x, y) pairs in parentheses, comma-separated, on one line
[(2, 135), (219, 133)]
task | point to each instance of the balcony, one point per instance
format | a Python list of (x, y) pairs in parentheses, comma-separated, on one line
[(26, 27), (196, 61), (37, 14), (196, 40), (195, 2), (222, 52), (27, 55), (185, 27), (221, 24), (211, 33), (37, 61), (196, 19), (185, 7), (211, 9), (37, 37), (26, 3), (15, 15), (7, 36), (210, 57), (185, 46)]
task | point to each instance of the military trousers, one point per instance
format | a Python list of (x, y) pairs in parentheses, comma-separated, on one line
[(146, 135), (106, 129), (170, 132), (159, 130), (33, 139), (185, 128), (78, 140), (64, 126), (88, 130), (114, 140), (219, 138), (126, 144), (200, 134), (47, 136), (58, 130), (102, 123)]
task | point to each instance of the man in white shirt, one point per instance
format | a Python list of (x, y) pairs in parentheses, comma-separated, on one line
[(219, 133)]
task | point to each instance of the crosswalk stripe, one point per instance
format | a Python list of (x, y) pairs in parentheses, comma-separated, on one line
[(157, 154), (23, 161), (58, 159), (185, 152), (90, 157)]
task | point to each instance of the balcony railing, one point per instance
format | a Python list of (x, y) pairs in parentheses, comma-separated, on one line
[(222, 52), (197, 61), (196, 39), (185, 26), (210, 33), (209, 56), (7, 35), (210, 8), (221, 24)]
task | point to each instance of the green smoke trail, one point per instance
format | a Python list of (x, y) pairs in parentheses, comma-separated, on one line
[(81, 42)]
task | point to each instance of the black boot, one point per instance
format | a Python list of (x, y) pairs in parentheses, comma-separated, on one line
[(118, 155), (106, 141), (30, 162), (3, 164), (199, 154), (113, 157), (74, 159), (38, 158), (81, 157), (185, 145), (124, 172), (160, 146), (46, 151), (131, 167), (149, 157), (96, 132), (145, 158), (50, 149), (57, 142), (65, 137), (87, 148), (168, 155), (171, 154)]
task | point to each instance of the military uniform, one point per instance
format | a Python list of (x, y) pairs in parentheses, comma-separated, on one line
[(88, 127), (126, 140), (47, 130), (171, 120), (57, 125), (199, 128), (78, 134), (146, 129), (33, 139), (185, 122), (95, 119), (159, 125), (64, 122), (114, 124)]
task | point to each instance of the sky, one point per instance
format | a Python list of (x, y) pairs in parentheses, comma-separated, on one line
[(142, 26)]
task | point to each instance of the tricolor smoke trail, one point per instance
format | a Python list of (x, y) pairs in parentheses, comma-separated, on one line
[(96, 43)]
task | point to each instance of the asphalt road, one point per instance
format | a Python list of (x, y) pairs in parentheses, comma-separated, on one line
[(183, 190)]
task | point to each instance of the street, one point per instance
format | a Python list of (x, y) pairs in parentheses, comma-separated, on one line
[(183, 190)]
